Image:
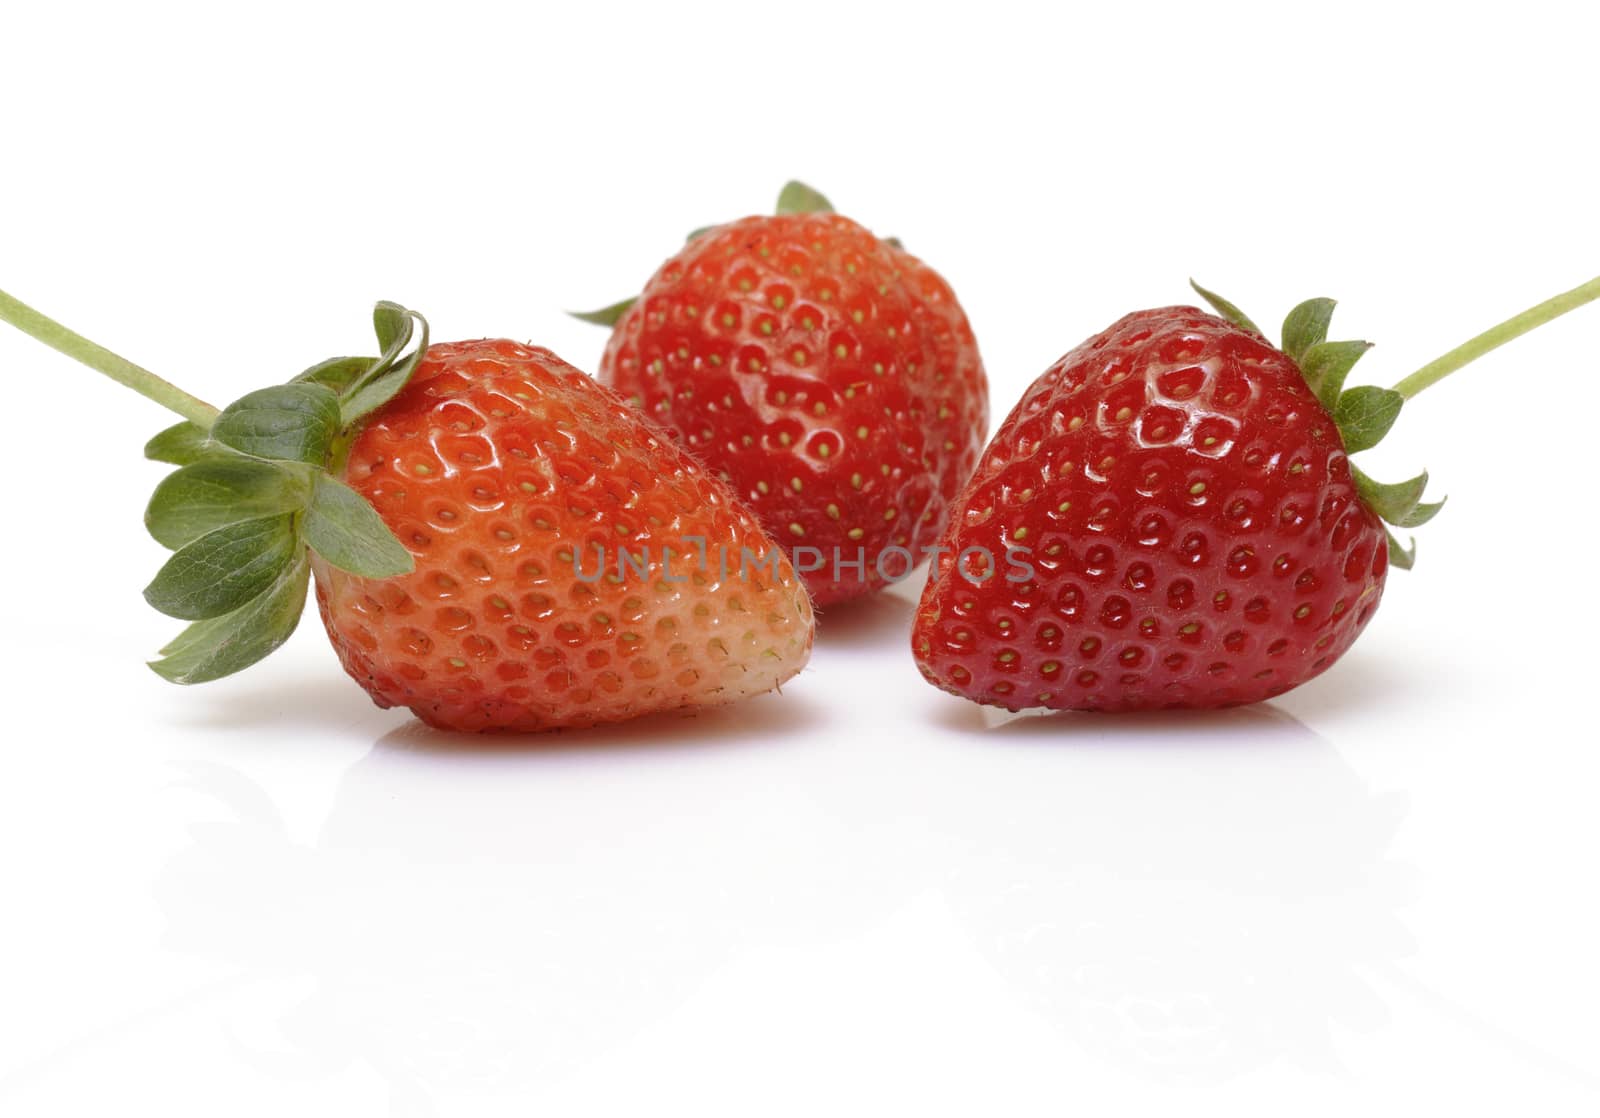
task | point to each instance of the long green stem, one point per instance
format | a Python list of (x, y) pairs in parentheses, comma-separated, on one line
[(1516, 326), (119, 369)]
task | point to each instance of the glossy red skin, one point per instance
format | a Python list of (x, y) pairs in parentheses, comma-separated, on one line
[(830, 377), (490, 466), (1146, 592)]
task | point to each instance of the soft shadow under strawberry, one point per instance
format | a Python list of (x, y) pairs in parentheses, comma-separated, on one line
[(763, 720), (1259, 726)]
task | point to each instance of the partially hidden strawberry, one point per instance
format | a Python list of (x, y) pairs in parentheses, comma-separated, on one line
[(1170, 518), (498, 542), (825, 373)]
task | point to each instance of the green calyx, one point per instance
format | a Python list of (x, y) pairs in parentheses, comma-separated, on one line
[(605, 316), (795, 198), (1364, 414), (255, 492), (798, 198)]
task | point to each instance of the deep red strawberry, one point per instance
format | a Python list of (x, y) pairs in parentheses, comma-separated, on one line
[(828, 375), (499, 542), (1170, 518), (519, 485)]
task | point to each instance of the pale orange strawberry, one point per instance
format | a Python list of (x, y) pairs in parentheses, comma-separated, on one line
[(518, 483)]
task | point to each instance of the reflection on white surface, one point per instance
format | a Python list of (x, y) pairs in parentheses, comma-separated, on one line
[(485, 916), (1187, 920), (474, 913)]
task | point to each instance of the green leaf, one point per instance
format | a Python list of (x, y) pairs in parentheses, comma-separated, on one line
[(1327, 364), (1392, 501), (382, 384), (896, 242), (1226, 309), (288, 422), (1399, 504), (1306, 326), (179, 444), (693, 233), (798, 198), (386, 376), (217, 491), (1402, 557), (337, 373), (1420, 515), (1365, 414), (606, 316), (345, 530), (223, 645), (392, 322), (224, 569), (375, 393)]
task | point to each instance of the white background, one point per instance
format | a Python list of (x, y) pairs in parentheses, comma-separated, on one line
[(265, 896)]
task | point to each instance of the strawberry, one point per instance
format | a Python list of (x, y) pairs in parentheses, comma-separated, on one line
[(1170, 518), (515, 481), (498, 542), (828, 375)]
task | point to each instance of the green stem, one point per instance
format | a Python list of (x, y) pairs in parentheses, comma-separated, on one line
[(1514, 327), (119, 369)]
